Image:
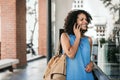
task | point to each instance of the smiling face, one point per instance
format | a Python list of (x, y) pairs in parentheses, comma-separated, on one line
[(82, 21), (81, 17)]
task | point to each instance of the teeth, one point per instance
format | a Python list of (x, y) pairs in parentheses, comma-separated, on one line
[(84, 25)]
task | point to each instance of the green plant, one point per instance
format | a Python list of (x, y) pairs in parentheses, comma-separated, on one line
[(111, 57), (102, 41)]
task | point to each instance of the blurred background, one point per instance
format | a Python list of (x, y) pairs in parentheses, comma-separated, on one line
[(30, 29)]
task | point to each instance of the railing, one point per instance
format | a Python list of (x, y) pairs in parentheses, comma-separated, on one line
[(99, 74)]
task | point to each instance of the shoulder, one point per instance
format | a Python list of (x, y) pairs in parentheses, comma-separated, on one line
[(64, 36)]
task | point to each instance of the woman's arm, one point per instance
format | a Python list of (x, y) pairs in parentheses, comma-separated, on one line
[(70, 50)]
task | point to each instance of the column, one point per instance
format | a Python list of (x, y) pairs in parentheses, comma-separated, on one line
[(13, 30)]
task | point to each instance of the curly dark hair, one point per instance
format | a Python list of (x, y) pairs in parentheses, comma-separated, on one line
[(71, 19)]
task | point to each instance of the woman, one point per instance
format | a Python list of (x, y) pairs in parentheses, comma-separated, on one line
[(77, 46)]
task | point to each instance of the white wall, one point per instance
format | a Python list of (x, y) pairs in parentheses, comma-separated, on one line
[(62, 7)]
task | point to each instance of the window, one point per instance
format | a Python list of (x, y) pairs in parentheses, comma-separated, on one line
[(77, 4)]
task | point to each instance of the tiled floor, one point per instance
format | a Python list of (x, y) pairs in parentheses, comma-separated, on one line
[(33, 71)]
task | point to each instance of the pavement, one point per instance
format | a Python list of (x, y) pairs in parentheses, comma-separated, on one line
[(33, 71)]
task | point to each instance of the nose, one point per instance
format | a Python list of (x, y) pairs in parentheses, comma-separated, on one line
[(85, 22)]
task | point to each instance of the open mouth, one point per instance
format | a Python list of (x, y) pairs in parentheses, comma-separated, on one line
[(84, 26)]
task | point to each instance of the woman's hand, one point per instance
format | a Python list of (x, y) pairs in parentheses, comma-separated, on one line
[(89, 67), (76, 30)]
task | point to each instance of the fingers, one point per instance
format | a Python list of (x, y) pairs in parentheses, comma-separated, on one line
[(76, 30), (76, 26), (88, 68)]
